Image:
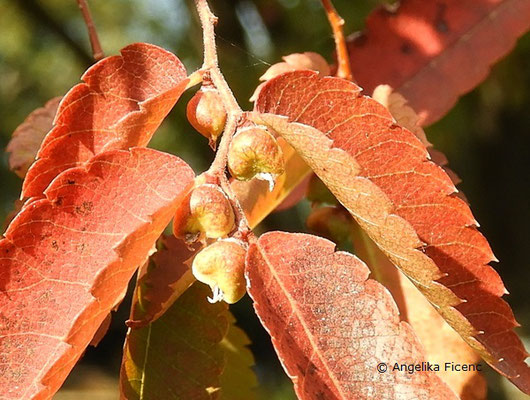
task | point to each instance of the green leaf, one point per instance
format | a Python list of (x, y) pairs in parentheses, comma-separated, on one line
[(193, 351), (237, 380)]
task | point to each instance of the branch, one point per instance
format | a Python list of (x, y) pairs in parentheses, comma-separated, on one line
[(336, 22), (97, 51), (212, 74)]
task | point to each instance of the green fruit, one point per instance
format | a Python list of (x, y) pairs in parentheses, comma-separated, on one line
[(221, 265), (254, 152)]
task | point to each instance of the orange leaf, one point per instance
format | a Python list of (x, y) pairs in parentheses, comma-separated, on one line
[(442, 343), (407, 118), (295, 196), (67, 258), (432, 52), (381, 173), (27, 138), (294, 62), (101, 331), (122, 102), (331, 326)]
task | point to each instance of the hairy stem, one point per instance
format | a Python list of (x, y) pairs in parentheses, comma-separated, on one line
[(212, 73), (97, 51), (211, 67), (336, 22)]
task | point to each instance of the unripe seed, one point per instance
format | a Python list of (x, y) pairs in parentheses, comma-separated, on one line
[(206, 113), (206, 210), (221, 266), (254, 152)]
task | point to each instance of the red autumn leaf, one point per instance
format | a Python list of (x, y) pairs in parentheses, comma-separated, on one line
[(331, 326), (121, 103), (294, 62), (162, 280), (432, 52), (442, 344), (381, 173), (27, 138), (408, 118), (67, 258)]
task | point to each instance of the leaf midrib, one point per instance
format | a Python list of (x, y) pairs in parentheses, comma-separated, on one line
[(297, 312)]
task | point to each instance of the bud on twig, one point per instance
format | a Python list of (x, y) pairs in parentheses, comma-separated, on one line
[(254, 152), (221, 266)]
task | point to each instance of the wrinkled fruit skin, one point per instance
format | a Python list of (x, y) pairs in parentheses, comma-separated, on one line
[(222, 264), (206, 113), (206, 211), (254, 152)]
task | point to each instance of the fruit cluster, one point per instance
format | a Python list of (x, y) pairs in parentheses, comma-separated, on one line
[(206, 213)]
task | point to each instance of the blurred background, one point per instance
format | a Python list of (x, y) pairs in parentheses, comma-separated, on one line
[(44, 49)]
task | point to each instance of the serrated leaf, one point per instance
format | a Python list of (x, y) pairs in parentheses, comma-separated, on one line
[(121, 103), (66, 260), (27, 138), (381, 173), (408, 118), (184, 353), (162, 280), (442, 344), (237, 380), (294, 62), (332, 326), (432, 52)]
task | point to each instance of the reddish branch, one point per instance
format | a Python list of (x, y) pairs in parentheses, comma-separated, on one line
[(336, 22), (97, 51)]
